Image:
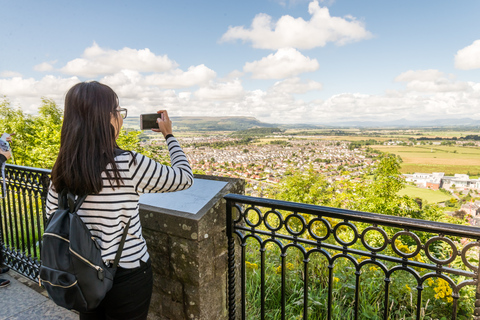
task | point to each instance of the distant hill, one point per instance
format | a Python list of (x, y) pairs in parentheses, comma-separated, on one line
[(208, 123), (404, 123), (245, 123)]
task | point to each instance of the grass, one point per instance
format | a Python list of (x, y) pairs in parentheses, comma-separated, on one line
[(448, 159), (431, 196), (445, 134)]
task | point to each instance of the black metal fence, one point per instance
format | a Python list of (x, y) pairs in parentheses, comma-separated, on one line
[(22, 217), (295, 261)]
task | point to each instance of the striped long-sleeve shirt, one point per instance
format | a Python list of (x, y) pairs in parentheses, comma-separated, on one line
[(107, 213)]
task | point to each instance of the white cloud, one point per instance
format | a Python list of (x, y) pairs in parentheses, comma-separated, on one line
[(285, 63), (231, 90), (29, 87), (97, 61), (431, 81), (468, 58), (44, 66), (234, 75), (419, 75), (292, 3), (197, 91), (298, 33), (295, 85), (10, 74), (195, 75), (440, 85), (27, 92), (276, 104), (408, 105)]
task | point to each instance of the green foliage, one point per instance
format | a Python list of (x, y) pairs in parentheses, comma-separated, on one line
[(281, 142), (452, 203), (222, 144), (309, 187), (359, 143), (381, 195), (377, 192), (45, 135), (37, 137)]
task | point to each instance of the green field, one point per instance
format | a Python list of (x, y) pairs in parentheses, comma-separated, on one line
[(431, 196), (446, 133), (447, 159)]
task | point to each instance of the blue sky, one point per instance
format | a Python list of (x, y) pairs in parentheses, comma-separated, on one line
[(283, 61)]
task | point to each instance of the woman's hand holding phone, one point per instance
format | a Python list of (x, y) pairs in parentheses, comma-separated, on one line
[(164, 123)]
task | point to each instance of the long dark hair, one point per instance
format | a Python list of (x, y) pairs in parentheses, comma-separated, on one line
[(87, 143)]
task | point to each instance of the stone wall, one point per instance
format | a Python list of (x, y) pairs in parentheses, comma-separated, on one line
[(189, 257)]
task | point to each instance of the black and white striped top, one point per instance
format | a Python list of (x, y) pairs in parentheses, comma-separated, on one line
[(106, 213)]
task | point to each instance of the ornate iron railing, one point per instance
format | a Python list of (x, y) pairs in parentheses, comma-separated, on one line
[(339, 257), (22, 217)]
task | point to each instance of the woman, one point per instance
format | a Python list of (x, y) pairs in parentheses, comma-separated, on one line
[(90, 162)]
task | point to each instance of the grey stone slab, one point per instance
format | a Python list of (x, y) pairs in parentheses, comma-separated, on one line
[(47, 310), (17, 301), (17, 298), (190, 201)]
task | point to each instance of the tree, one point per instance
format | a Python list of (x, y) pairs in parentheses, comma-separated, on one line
[(44, 137), (13, 120), (378, 194), (460, 214), (37, 137), (308, 187)]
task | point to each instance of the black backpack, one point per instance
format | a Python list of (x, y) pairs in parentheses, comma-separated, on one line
[(72, 269)]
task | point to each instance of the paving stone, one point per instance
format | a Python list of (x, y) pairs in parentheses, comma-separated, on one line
[(20, 302), (47, 310)]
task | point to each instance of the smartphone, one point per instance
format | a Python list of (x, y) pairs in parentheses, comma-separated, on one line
[(149, 121)]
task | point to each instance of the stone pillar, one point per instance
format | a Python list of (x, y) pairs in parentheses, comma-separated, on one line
[(185, 234)]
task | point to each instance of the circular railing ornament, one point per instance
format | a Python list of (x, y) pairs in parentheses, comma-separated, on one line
[(354, 229), (327, 225), (369, 247), (259, 215), (464, 255), (414, 237), (302, 220), (239, 211), (279, 217), (439, 261)]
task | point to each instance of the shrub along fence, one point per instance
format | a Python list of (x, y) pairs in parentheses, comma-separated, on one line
[(298, 261)]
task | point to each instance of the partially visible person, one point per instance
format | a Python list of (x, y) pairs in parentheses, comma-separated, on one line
[(4, 156)]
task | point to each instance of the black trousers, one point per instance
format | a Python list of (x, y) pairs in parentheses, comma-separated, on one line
[(129, 298)]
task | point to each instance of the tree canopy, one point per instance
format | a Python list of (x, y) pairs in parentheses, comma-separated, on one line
[(376, 191)]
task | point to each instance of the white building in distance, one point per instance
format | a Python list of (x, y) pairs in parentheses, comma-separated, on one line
[(437, 180)]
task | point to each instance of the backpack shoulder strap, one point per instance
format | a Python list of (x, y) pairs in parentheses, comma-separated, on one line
[(74, 204), (121, 245)]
